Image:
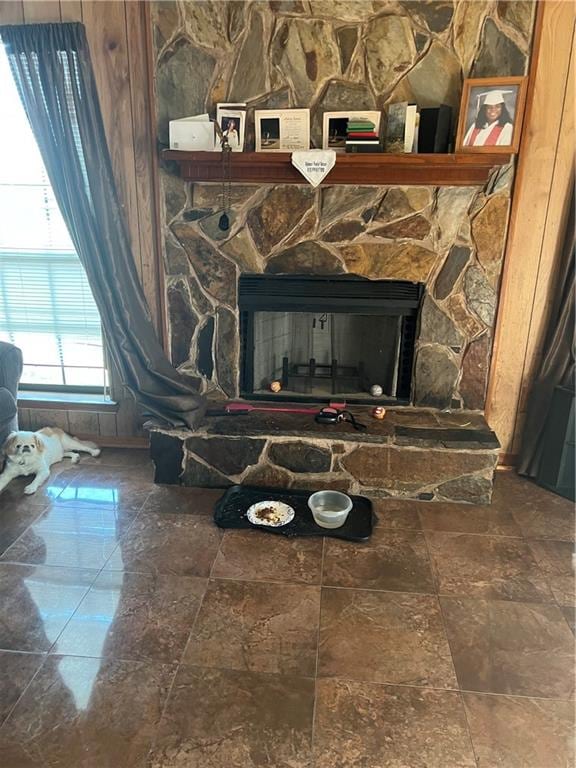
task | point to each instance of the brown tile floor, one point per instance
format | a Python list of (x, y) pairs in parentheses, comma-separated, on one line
[(133, 634)]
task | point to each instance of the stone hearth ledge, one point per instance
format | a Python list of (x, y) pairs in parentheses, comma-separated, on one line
[(414, 453)]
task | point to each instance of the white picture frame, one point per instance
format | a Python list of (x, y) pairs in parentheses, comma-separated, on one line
[(232, 123), (334, 127), (282, 130)]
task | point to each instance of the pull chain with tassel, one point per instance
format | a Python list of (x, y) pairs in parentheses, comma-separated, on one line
[(224, 220)]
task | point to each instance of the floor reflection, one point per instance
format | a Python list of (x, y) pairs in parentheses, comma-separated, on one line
[(55, 594), (79, 676), (93, 617), (76, 538), (90, 495), (83, 537), (54, 490), (87, 633)]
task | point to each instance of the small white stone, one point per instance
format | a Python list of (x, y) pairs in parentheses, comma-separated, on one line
[(376, 390)]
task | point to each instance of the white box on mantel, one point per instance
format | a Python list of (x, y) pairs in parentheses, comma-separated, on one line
[(192, 134)]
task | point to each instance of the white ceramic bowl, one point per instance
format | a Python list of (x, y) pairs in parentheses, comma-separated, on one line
[(330, 508)]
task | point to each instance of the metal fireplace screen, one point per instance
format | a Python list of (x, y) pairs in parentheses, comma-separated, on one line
[(326, 336)]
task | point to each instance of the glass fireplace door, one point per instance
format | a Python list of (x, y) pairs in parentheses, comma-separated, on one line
[(326, 353), (323, 336)]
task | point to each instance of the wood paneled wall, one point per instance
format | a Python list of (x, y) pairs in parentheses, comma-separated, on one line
[(104, 426), (117, 34), (540, 203)]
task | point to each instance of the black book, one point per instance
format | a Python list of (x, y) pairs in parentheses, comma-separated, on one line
[(434, 133), (364, 146)]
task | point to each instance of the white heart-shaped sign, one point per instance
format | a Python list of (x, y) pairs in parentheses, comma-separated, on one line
[(314, 164)]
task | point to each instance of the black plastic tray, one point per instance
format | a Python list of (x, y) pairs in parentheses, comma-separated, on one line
[(230, 512)]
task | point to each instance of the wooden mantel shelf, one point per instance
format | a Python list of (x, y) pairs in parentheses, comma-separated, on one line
[(357, 169)]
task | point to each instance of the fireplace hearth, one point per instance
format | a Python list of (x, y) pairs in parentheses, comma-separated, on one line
[(325, 337), (413, 453)]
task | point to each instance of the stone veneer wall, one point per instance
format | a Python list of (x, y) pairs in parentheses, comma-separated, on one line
[(335, 55)]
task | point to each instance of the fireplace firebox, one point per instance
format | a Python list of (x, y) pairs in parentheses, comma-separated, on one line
[(326, 338)]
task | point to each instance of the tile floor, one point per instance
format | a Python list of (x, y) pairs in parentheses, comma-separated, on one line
[(134, 634)]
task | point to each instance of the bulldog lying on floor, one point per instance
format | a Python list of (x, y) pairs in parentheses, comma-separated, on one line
[(33, 453)]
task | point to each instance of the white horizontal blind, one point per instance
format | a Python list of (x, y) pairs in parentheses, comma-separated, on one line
[(46, 306), (61, 299)]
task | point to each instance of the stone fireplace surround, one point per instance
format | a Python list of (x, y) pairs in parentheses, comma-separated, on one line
[(449, 238), (331, 55), (439, 449)]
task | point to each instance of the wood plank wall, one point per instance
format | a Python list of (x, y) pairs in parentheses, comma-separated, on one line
[(539, 208), (117, 35), (108, 428)]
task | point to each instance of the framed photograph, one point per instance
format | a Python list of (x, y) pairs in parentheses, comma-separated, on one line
[(336, 129), (282, 130), (491, 114), (232, 123)]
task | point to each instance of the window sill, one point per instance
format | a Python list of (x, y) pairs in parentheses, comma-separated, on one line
[(66, 401)]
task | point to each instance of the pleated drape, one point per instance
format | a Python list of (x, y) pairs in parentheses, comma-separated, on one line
[(53, 72), (557, 366)]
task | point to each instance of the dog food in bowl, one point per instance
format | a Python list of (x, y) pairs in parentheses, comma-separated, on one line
[(330, 508), (270, 513)]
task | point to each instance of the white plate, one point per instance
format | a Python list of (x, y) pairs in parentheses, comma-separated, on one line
[(281, 513)]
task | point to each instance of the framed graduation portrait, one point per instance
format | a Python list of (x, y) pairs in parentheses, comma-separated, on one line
[(491, 113)]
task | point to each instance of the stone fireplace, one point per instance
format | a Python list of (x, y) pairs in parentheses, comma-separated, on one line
[(447, 240), (332, 55)]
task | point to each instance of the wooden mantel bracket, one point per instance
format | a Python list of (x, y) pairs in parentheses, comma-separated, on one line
[(356, 169)]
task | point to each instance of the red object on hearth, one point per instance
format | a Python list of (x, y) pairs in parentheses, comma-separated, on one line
[(248, 408)]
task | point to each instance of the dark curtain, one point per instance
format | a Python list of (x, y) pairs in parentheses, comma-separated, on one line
[(53, 73), (557, 367)]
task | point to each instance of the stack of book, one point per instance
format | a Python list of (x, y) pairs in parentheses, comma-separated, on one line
[(361, 136)]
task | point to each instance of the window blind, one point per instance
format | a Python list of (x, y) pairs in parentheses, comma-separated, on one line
[(45, 292)]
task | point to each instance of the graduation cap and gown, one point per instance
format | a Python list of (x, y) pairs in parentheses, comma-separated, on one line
[(491, 134)]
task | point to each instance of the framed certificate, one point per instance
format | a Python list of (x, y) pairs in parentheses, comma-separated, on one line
[(283, 130)]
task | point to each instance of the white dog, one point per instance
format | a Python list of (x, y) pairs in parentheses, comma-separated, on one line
[(33, 453)]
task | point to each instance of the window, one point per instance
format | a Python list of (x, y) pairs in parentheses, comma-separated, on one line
[(46, 306)]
